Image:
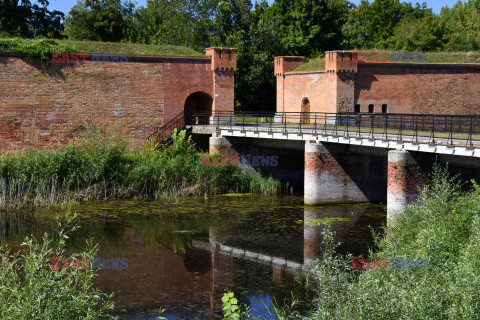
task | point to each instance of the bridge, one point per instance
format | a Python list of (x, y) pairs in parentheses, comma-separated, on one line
[(346, 157)]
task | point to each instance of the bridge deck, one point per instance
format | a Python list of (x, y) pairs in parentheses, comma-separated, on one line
[(390, 140)]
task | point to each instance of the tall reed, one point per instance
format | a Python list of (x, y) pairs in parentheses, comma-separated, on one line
[(100, 166)]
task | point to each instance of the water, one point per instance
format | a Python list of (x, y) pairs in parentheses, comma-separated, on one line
[(183, 255)]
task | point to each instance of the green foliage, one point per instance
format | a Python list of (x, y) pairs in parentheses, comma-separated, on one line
[(100, 166), (463, 25), (313, 64), (99, 20), (372, 25), (443, 227), (24, 19), (309, 28), (35, 48), (425, 34), (230, 308), (31, 289)]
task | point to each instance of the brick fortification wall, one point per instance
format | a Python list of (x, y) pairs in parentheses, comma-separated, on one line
[(419, 88), (402, 87), (46, 109)]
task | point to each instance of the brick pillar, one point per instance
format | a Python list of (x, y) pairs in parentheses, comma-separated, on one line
[(405, 177), (224, 64), (282, 65)]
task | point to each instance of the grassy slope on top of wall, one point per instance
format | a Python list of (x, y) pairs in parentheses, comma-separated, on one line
[(314, 64), (318, 63), (23, 45), (131, 48)]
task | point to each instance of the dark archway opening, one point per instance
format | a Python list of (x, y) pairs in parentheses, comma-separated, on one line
[(198, 102), (305, 116)]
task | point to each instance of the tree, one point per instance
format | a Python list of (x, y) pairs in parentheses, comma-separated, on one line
[(371, 25), (100, 20), (255, 81), (462, 23), (426, 34), (310, 27), (31, 21)]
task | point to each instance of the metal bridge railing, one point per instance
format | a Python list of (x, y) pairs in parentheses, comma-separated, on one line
[(179, 122), (426, 128)]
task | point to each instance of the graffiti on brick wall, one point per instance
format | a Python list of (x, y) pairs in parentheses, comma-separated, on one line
[(77, 57), (393, 56)]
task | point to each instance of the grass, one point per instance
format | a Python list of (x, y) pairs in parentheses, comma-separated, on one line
[(442, 227), (313, 64), (100, 166), (131, 48), (15, 44), (42, 48), (318, 63)]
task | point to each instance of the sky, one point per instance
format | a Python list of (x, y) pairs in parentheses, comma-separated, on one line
[(66, 5)]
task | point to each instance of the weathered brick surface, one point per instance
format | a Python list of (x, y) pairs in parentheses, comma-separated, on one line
[(47, 108), (405, 178)]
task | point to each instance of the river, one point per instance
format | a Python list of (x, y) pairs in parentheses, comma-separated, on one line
[(182, 255)]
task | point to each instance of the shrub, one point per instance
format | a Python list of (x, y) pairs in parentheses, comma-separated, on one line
[(443, 227), (31, 289)]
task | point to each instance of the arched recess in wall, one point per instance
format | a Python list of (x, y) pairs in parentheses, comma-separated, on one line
[(305, 116), (198, 102)]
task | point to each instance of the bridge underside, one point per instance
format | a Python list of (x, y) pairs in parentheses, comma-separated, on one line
[(334, 169)]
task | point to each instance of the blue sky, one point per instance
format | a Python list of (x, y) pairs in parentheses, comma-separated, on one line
[(66, 5)]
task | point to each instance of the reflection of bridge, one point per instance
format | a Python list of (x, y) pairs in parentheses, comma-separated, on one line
[(200, 276), (351, 157)]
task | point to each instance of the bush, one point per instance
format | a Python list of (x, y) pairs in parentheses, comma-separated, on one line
[(443, 227), (31, 289)]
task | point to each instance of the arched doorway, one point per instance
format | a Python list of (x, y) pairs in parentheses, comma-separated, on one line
[(200, 102), (305, 116)]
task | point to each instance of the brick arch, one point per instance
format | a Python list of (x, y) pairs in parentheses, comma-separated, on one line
[(198, 102)]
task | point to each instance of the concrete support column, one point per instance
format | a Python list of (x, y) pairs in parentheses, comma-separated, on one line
[(221, 146), (325, 179), (405, 177)]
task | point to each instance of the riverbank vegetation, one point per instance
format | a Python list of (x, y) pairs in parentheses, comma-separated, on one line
[(32, 288), (100, 166), (442, 227)]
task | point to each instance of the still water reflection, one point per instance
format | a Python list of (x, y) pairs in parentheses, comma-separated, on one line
[(182, 256)]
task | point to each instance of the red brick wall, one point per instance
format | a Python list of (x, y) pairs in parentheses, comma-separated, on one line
[(403, 87), (316, 86), (450, 89), (224, 64), (281, 66), (47, 108)]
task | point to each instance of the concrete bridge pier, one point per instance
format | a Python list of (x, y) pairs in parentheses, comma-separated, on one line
[(324, 176), (405, 178), (220, 145), (336, 174)]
